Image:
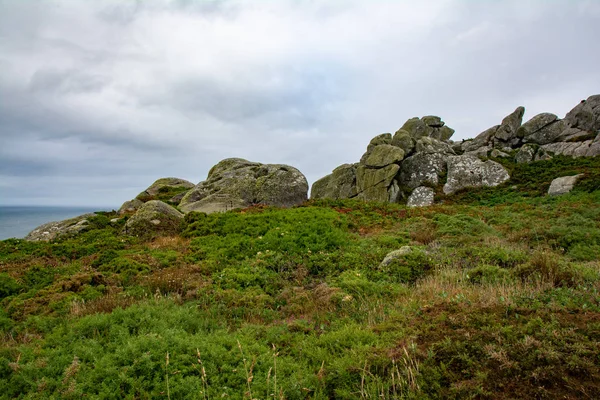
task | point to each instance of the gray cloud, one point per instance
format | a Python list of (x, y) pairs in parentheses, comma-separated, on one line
[(98, 99)]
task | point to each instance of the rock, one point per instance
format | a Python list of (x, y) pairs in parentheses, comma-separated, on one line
[(416, 128), (383, 155), (536, 123), (340, 184), (154, 217), (422, 169), (403, 140), (373, 184), (430, 146), (395, 255), (498, 154), (421, 197), (481, 140), (469, 171), (235, 183), (563, 184), (444, 133), (547, 134), (384, 138), (510, 124), (525, 154), (575, 135), (586, 115), (58, 229), (130, 206), (161, 183), (480, 152), (574, 149), (433, 121)]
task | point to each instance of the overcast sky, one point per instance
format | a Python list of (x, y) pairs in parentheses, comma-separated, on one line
[(100, 98)]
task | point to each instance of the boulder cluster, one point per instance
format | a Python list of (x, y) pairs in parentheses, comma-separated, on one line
[(410, 167), (420, 157)]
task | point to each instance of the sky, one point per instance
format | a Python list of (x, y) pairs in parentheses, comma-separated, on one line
[(100, 98)]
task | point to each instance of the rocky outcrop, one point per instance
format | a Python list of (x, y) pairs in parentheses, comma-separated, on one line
[(237, 183), (394, 165), (164, 185), (422, 196), (503, 136), (563, 184), (468, 171), (154, 218), (58, 229)]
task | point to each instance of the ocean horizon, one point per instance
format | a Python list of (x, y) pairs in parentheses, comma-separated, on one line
[(18, 221)]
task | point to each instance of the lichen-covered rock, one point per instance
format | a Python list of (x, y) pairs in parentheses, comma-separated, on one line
[(130, 206), (563, 184), (430, 145), (162, 183), (422, 169), (575, 135), (395, 255), (444, 133), (573, 149), (421, 197), (153, 218), (546, 134), (57, 229), (498, 154), (235, 183), (481, 140), (373, 184), (340, 184), (383, 155), (433, 121), (586, 115), (416, 128), (403, 140), (526, 154), (469, 171), (510, 124)]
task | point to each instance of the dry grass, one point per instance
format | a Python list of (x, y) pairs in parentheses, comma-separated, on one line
[(104, 304)]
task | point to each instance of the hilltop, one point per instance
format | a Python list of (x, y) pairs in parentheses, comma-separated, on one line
[(490, 291)]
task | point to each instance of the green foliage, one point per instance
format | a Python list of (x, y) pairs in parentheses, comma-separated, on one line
[(499, 297)]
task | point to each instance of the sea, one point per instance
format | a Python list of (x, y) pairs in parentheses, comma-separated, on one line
[(18, 221)]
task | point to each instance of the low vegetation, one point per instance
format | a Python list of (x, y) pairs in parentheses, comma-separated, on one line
[(499, 298)]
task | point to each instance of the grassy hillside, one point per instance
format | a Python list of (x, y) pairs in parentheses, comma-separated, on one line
[(498, 299)]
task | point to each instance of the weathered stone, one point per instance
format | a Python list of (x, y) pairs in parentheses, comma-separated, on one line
[(469, 171), (422, 169), (481, 140), (163, 184), (525, 154), (586, 115), (55, 230), (498, 154), (536, 123), (340, 184), (575, 135), (417, 128), (235, 183), (394, 192), (480, 152), (373, 184), (130, 206), (384, 138), (574, 149), (548, 134), (563, 184), (421, 197), (430, 145), (154, 218), (395, 255), (432, 121), (384, 154), (510, 124), (403, 140), (444, 133)]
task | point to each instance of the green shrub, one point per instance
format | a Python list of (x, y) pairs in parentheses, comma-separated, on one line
[(8, 285), (487, 274)]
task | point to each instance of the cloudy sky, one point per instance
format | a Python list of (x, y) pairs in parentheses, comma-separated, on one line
[(100, 98)]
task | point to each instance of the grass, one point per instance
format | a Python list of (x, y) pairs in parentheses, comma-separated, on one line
[(499, 298)]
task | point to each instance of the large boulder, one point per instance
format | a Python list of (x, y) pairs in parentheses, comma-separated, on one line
[(504, 136), (340, 184), (586, 115), (55, 230), (510, 124), (153, 218), (237, 183), (384, 155), (166, 189), (469, 171), (563, 184), (374, 184), (422, 168)]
